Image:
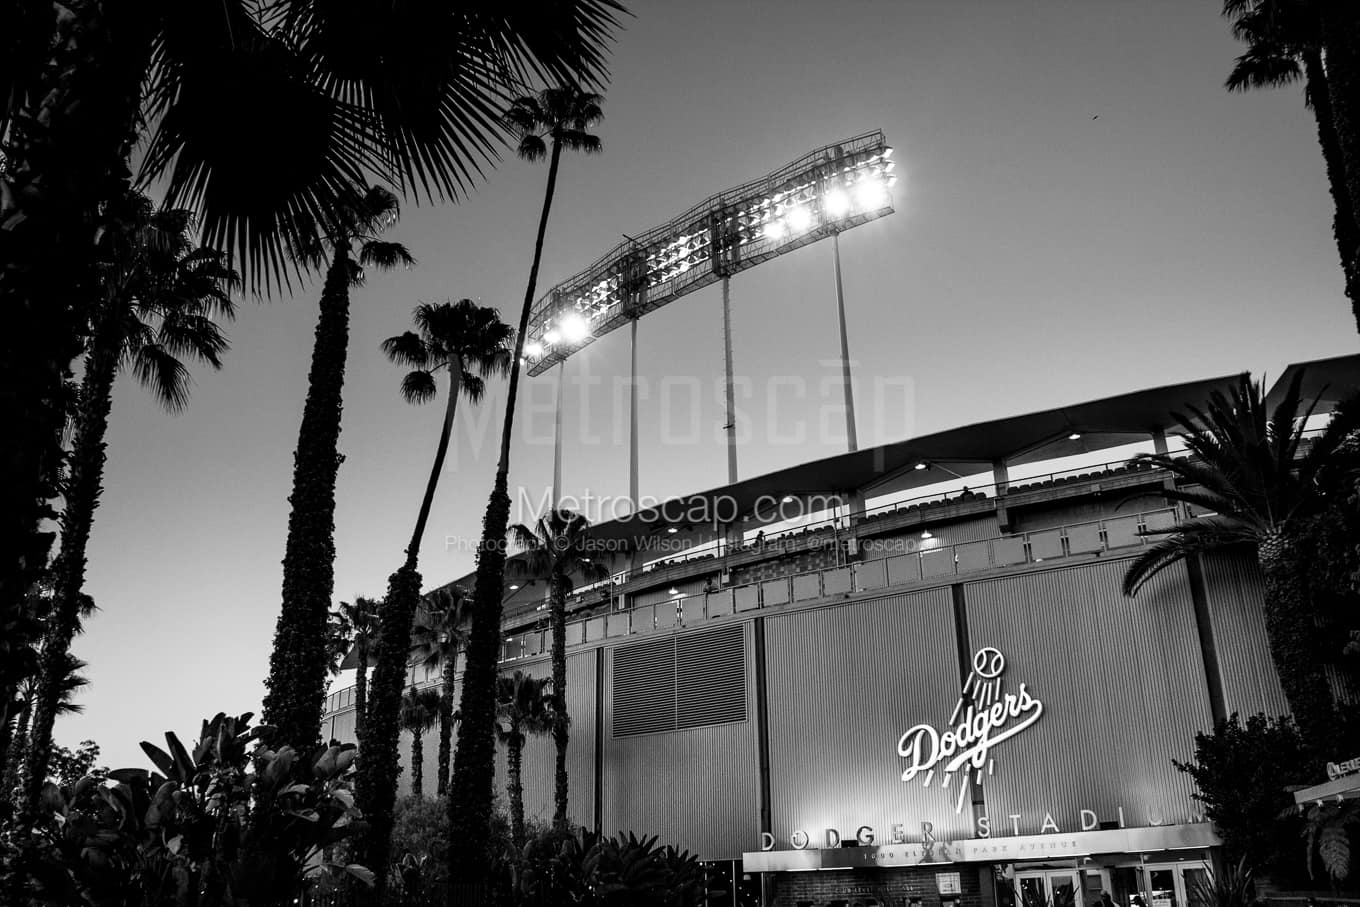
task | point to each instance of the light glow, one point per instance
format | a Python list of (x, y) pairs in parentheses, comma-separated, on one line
[(574, 328), (799, 219), (1075, 436), (775, 229), (551, 336), (870, 194), (533, 349), (837, 203), (922, 465)]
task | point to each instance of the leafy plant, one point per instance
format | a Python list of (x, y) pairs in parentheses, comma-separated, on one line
[(1327, 831), (583, 868), (1234, 886), (229, 823)]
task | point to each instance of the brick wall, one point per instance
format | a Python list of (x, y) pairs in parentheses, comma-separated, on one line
[(880, 887)]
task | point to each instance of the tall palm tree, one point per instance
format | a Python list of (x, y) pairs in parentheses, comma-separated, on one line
[(161, 300), (1283, 41), (468, 343), (1246, 469), (556, 120), (362, 615), (556, 549), (334, 93), (297, 665), (1339, 37), (419, 712), (523, 707), (439, 634)]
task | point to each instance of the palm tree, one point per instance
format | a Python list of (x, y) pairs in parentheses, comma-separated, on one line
[(440, 632), (1283, 46), (69, 683), (523, 707), (556, 549), (334, 93), (161, 300), (557, 119), (1339, 37), (1246, 469), (419, 712), (468, 343), (297, 664), (362, 616)]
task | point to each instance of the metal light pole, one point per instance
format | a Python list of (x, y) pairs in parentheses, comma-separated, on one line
[(557, 438), (850, 437), (633, 420), (731, 426)]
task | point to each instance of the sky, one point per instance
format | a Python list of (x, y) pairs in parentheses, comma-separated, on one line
[(1082, 211)]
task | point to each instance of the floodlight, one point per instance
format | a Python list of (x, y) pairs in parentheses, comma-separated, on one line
[(533, 349), (870, 193), (552, 336), (799, 218), (574, 328), (836, 203), (775, 229)]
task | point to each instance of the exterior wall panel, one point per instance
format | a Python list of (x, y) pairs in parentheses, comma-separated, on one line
[(843, 684), (1123, 687), (1233, 588), (695, 788)]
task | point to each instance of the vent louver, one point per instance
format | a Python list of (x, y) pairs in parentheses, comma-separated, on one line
[(683, 682)]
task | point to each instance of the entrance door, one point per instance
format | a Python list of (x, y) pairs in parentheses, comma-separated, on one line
[(1174, 884), (1047, 888)]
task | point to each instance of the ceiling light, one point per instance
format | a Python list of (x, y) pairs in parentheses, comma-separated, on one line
[(836, 203), (922, 465), (1075, 436), (533, 349), (787, 499), (925, 534), (673, 591), (672, 530), (551, 337), (574, 328), (513, 587), (799, 218)]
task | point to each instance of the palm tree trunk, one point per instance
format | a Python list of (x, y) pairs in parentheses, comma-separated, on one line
[(66, 156), (446, 722), (515, 788), (417, 766), (378, 761), (361, 688), (474, 767), (378, 767), (297, 665), (1339, 22), (14, 765), (560, 720), (1344, 227), (1292, 631), (83, 488)]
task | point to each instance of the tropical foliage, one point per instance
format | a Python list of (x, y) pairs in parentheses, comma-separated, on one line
[(229, 821), (619, 871), (362, 619), (419, 712), (466, 342), (555, 120), (1249, 469), (523, 707), (557, 549), (440, 632), (297, 664)]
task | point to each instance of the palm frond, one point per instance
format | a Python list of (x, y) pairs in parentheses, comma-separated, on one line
[(419, 387), (163, 374), (1169, 551), (385, 255), (407, 349)]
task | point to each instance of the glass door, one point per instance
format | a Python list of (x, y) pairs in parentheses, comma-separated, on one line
[(1047, 888), (1173, 884)]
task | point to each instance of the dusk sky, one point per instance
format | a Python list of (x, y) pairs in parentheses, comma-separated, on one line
[(1082, 211)]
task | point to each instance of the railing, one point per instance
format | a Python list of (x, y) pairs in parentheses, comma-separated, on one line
[(921, 562)]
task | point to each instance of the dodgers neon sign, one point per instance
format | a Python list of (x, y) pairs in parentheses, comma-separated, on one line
[(983, 717)]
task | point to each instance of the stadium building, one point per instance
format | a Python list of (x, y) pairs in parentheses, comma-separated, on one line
[(930, 693)]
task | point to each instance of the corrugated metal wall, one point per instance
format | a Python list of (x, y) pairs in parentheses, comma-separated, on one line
[(539, 754), (843, 685), (696, 788), (1124, 692), (1233, 588)]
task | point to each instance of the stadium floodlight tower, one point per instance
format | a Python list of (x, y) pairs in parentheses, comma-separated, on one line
[(822, 193)]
